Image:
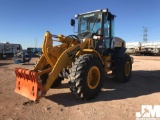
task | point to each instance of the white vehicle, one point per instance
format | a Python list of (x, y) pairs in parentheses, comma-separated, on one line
[(133, 47), (151, 47), (144, 48)]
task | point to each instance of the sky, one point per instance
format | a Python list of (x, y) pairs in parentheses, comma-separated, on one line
[(26, 21)]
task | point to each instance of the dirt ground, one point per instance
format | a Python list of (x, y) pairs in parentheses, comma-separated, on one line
[(116, 101)]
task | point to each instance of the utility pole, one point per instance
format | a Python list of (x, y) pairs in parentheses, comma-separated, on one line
[(145, 30)]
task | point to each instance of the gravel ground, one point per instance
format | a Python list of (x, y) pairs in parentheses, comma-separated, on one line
[(115, 102)]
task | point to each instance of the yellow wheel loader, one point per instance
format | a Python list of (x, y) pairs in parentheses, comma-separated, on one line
[(84, 59)]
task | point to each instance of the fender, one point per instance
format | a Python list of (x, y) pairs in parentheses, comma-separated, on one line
[(119, 51), (90, 51)]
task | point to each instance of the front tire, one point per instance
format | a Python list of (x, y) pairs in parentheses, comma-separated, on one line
[(86, 76)]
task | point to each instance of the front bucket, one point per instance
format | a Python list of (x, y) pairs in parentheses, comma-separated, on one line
[(28, 84)]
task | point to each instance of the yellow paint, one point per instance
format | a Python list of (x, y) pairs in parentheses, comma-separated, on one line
[(93, 77), (62, 56)]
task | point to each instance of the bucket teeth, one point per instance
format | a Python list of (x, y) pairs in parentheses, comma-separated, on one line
[(28, 84)]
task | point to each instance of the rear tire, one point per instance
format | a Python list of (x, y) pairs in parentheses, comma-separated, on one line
[(44, 78), (122, 68), (86, 76)]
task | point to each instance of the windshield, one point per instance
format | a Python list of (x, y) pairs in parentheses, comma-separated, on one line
[(89, 23)]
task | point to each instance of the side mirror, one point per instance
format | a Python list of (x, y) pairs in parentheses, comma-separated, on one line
[(99, 32), (72, 22)]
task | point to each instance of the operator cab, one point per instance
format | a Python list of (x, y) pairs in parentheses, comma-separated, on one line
[(98, 25)]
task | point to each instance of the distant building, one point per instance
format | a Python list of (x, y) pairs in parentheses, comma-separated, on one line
[(8, 49)]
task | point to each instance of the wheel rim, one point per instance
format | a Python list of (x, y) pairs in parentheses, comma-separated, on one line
[(127, 69), (93, 77)]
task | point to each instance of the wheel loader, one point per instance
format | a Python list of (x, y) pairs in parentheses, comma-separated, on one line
[(84, 59)]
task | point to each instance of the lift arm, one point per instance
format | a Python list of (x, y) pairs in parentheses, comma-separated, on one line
[(28, 82)]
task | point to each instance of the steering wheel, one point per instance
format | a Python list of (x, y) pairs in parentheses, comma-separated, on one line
[(73, 36)]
